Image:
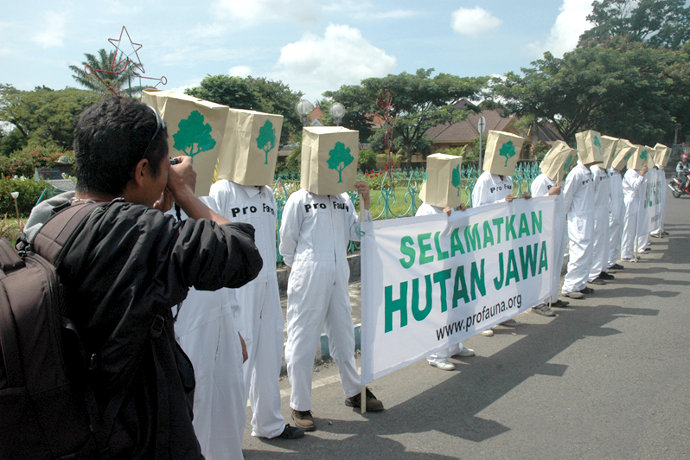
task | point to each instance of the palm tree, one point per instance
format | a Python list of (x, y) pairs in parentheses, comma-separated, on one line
[(120, 83)]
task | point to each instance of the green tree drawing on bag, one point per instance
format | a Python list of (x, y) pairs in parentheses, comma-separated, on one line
[(627, 157), (508, 151), (568, 162), (266, 139), (455, 179), (643, 155), (339, 158), (597, 143), (193, 135)]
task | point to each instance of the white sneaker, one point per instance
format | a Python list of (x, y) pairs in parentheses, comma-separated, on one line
[(487, 333), (444, 365), (464, 353)]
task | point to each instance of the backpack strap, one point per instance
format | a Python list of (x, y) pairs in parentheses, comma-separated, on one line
[(61, 230)]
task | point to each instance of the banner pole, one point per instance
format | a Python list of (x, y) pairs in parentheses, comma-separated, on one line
[(636, 256), (363, 400)]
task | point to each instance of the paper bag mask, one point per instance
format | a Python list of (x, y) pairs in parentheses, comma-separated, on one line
[(558, 161), (624, 151), (250, 147), (195, 129), (639, 158), (443, 184), (329, 159), (661, 155), (608, 148), (502, 152), (589, 148)]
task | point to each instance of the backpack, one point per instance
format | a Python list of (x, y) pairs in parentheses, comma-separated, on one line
[(47, 408)]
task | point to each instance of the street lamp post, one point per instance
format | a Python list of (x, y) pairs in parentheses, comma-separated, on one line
[(304, 108), (14, 196), (337, 112)]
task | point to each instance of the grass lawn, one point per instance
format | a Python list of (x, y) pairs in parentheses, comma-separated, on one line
[(11, 228)]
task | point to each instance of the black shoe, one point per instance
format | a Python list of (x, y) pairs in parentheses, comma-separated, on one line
[(598, 281), (586, 290), (606, 276), (291, 432), (543, 310), (373, 404), (616, 267), (560, 304)]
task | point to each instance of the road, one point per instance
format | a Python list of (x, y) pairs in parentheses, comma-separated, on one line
[(607, 378)]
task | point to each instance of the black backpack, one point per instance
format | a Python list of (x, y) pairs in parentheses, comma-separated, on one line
[(47, 408)]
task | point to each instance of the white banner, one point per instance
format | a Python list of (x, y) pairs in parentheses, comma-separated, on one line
[(432, 281)]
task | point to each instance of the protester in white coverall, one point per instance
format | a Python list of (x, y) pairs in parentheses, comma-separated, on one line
[(314, 234), (543, 186), (493, 188), (632, 185), (661, 190), (440, 359), (260, 316), (206, 329), (643, 213), (616, 218), (578, 196), (600, 232)]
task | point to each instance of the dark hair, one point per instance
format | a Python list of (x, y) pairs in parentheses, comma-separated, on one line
[(110, 138)]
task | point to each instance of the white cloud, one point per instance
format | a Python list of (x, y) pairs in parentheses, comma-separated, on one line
[(366, 11), (570, 24), (240, 71), (50, 30), (474, 21), (342, 56), (251, 12)]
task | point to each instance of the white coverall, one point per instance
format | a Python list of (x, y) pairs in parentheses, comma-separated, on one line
[(616, 216), (661, 190), (578, 196), (600, 235), (314, 234), (643, 214), (632, 185), (541, 186), (260, 316), (490, 188), (443, 355), (206, 329)]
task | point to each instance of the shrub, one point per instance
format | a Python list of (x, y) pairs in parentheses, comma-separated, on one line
[(366, 160), (23, 162), (29, 193)]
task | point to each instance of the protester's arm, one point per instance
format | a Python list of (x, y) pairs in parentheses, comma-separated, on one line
[(289, 229)]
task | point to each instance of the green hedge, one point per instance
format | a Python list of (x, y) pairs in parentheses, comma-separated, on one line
[(29, 192), (24, 162)]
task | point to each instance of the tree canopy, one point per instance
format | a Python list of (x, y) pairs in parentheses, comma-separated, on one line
[(121, 83), (252, 93), (659, 22), (420, 101), (44, 116)]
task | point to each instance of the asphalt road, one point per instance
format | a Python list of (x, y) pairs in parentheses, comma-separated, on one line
[(608, 378)]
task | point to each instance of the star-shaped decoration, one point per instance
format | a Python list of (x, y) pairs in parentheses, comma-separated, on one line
[(125, 57)]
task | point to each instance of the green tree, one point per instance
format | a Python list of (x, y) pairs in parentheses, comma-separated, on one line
[(569, 162), (44, 116), (508, 151), (266, 139), (659, 22), (339, 158), (456, 179), (420, 101), (252, 93), (121, 82), (193, 135)]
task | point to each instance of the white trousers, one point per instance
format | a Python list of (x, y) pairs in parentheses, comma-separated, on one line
[(629, 229), (206, 332), (580, 254), (616, 217), (318, 298), (262, 326), (443, 355), (600, 243)]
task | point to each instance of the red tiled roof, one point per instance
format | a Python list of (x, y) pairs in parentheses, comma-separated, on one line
[(466, 131)]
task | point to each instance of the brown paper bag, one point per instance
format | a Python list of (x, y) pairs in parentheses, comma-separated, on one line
[(443, 184), (558, 161), (195, 128), (624, 151), (329, 159), (250, 147), (639, 158), (662, 155), (589, 147), (608, 147), (502, 152)]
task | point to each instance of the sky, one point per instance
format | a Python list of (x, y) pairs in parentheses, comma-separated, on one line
[(312, 46)]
